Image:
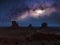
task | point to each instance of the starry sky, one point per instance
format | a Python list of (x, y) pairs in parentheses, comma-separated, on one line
[(27, 12)]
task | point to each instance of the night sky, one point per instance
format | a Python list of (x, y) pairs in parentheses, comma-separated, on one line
[(27, 12)]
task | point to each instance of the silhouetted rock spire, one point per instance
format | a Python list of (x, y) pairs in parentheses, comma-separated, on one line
[(30, 25), (44, 25), (15, 25)]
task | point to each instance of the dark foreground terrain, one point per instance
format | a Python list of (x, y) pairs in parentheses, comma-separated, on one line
[(15, 35)]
